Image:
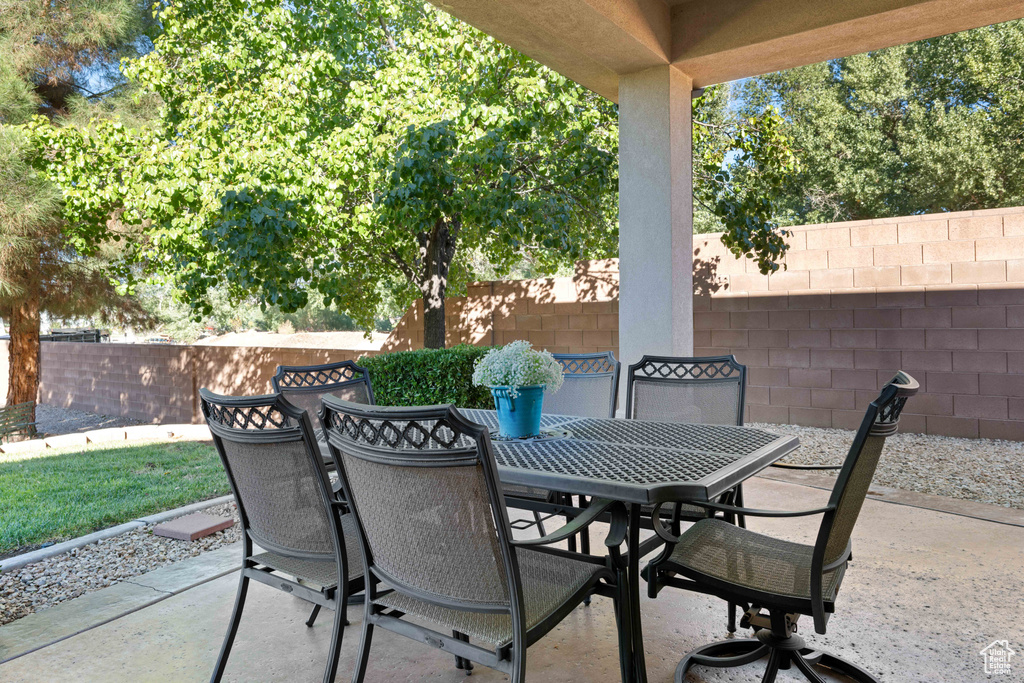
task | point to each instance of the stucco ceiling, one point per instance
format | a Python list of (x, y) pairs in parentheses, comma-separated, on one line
[(595, 41)]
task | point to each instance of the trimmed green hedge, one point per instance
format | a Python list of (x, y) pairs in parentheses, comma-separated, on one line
[(428, 377)]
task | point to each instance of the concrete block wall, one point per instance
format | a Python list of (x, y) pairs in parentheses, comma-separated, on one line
[(156, 382), (941, 296), (577, 314)]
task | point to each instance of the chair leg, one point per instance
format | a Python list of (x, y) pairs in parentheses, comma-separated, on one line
[(336, 635), (731, 627), (772, 671), (229, 639), (462, 662), (363, 657), (312, 616)]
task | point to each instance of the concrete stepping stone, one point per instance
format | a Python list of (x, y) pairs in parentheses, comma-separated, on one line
[(191, 527)]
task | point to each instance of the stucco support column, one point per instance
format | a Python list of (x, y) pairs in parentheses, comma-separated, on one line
[(655, 216)]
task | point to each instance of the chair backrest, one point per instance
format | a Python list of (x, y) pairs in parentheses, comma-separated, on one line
[(423, 485), (269, 451), (706, 390), (590, 386), (881, 420), (305, 385)]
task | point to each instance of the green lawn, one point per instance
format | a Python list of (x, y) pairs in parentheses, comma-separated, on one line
[(59, 494)]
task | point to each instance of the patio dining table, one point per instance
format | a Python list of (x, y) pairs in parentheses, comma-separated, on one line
[(637, 463)]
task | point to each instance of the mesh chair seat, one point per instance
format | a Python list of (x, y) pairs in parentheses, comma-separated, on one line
[(748, 560), (323, 573), (548, 581)]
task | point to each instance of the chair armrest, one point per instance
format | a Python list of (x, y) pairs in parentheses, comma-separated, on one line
[(755, 512), (597, 507), (660, 529)]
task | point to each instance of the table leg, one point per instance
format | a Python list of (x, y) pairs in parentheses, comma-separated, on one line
[(633, 588)]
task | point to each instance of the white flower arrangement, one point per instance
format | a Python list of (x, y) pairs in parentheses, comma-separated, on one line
[(517, 365)]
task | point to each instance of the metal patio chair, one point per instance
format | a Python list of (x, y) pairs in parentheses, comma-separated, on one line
[(305, 385), (590, 388), (287, 507), (700, 390), (784, 579), (434, 531)]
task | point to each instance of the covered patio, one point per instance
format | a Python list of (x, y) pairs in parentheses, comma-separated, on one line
[(651, 57), (926, 594)]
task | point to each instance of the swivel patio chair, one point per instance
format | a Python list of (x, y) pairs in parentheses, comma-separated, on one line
[(702, 390), (287, 507), (434, 532), (784, 579), (305, 385), (590, 388)]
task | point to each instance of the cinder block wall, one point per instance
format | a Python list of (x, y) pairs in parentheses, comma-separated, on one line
[(578, 314), (160, 383), (941, 296)]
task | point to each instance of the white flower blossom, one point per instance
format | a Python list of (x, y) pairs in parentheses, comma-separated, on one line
[(517, 365)]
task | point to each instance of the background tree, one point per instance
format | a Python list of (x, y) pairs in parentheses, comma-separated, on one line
[(926, 127), (53, 57), (355, 151)]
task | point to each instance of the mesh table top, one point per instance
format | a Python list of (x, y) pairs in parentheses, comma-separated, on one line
[(635, 461)]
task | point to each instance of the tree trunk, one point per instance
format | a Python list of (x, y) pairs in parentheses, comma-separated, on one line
[(23, 366), (436, 252)]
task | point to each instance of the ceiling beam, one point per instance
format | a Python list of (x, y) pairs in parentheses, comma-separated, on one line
[(593, 42), (589, 41), (723, 40)]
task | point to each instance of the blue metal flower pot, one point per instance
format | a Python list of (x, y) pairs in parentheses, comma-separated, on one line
[(520, 416)]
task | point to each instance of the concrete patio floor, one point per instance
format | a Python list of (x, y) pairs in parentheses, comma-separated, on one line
[(927, 591)]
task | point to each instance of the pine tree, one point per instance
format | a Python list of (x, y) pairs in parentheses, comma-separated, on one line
[(52, 55)]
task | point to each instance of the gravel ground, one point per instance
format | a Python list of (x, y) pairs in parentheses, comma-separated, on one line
[(983, 470), (51, 420), (98, 565)]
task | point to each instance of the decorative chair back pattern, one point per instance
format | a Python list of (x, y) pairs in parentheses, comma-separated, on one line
[(590, 388), (707, 390), (423, 484), (269, 452), (305, 385)]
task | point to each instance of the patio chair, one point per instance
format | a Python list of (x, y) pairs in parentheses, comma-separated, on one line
[(784, 579), (287, 507), (702, 390), (590, 389), (432, 524), (590, 386), (305, 385)]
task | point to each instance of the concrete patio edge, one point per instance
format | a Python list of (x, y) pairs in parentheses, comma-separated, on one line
[(68, 619), (954, 506)]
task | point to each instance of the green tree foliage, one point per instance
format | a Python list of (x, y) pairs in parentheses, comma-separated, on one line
[(49, 53), (367, 151), (927, 127), (741, 168), (330, 146)]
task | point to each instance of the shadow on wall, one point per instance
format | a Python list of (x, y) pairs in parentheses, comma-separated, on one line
[(559, 314)]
